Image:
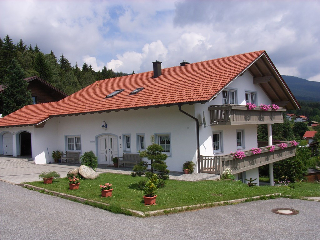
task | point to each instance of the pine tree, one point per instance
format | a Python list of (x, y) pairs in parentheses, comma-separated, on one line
[(7, 54), (15, 95), (41, 66)]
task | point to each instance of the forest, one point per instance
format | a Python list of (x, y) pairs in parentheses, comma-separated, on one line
[(56, 71)]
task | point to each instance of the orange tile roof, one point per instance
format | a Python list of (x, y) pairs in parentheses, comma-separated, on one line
[(196, 82), (309, 134)]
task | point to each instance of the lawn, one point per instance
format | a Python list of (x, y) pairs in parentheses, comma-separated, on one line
[(126, 195)]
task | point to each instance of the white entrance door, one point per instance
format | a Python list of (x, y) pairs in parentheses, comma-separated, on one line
[(7, 144), (107, 148)]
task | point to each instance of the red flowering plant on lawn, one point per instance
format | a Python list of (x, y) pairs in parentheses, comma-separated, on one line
[(73, 180), (238, 155), (106, 186), (283, 145), (251, 106), (265, 107), (256, 150)]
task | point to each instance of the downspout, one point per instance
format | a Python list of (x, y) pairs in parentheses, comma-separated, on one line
[(197, 130)]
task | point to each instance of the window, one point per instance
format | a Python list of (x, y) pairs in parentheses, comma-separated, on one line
[(229, 96), (164, 140), (251, 97), (114, 93), (217, 142), (34, 100), (240, 139), (140, 142), (126, 143), (136, 91), (73, 143)]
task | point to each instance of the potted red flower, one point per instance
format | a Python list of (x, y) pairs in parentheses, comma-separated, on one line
[(74, 182), (106, 190)]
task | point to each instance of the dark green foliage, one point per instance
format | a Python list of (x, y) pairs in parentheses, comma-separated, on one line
[(89, 159), (280, 131), (157, 158), (189, 165), (139, 169), (52, 174), (294, 168), (299, 129), (59, 72), (251, 182), (15, 95)]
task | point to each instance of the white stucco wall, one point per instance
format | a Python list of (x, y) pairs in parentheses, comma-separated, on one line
[(241, 84), (168, 120)]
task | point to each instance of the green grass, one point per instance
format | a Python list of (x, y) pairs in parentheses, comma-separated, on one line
[(174, 194)]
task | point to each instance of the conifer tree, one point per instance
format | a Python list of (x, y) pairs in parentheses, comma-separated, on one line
[(15, 95)]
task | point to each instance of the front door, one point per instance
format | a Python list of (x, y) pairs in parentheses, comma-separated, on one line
[(108, 149)]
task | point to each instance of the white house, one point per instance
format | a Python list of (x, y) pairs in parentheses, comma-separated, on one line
[(191, 110)]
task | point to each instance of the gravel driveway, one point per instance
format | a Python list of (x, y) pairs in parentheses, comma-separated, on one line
[(26, 214)]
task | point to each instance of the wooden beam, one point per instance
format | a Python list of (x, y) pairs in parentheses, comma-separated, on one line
[(264, 79), (281, 104)]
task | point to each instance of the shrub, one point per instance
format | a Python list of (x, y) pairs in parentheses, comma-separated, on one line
[(151, 186), (227, 174), (52, 174), (158, 165), (189, 165), (89, 159)]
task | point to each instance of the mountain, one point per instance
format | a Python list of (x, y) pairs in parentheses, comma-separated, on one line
[(302, 89)]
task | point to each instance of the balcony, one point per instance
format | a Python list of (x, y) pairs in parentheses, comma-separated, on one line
[(241, 115), (217, 164)]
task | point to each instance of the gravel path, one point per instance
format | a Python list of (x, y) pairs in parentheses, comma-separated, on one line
[(26, 214)]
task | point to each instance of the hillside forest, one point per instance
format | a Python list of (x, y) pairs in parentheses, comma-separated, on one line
[(55, 70)]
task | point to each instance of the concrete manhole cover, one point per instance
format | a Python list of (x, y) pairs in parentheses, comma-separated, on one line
[(285, 211)]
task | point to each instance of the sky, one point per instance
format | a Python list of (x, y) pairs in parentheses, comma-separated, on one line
[(128, 36)]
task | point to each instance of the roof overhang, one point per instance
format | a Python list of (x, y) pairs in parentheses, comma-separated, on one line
[(266, 75)]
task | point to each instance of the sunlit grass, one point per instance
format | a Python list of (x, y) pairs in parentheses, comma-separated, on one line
[(175, 193)]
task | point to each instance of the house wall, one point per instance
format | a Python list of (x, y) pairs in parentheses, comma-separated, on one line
[(44, 141), (241, 84), (143, 121)]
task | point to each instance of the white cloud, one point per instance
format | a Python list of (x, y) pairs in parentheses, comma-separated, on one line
[(315, 78), (290, 71), (96, 65), (128, 62)]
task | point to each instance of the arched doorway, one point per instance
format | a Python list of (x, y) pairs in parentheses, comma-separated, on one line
[(25, 144)]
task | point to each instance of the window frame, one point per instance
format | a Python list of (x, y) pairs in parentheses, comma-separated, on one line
[(75, 144), (125, 142), (227, 99), (250, 94), (220, 149), (139, 147), (157, 141), (242, 145)]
